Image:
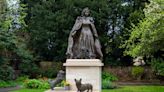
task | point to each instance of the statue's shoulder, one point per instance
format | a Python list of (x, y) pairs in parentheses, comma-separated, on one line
[(91, 19), (79, 18)]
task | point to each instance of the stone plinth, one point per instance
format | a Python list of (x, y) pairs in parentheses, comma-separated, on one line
[(89, 70)]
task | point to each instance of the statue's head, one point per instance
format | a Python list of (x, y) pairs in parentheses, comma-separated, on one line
[(78, 82), (86, 12)]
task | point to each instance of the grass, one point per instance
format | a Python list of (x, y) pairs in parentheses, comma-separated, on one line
[(137, 89), (4, 84), (29, 90), (122, 89)]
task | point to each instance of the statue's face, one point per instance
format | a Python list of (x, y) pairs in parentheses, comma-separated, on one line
[(86, 13)]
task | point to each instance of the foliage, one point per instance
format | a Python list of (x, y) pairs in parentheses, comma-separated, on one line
[(62, 84), (109, 76), (4, 84), (2, 9), (6, 73), (22, 79), (66, 83), (32, 83), (13, 45), (107, 79), (106, 84), (122, 14), (147, 38), (50, 22), (158, 66), (137, 72), (36, 84), (13, 50), (52, 71)]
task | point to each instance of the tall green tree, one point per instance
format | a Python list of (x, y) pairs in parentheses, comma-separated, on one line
[(146, 38), (122, 14), (50, 22), (13, 46)]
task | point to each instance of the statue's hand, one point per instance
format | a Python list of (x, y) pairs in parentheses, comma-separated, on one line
[(69, 55), (73, 33), (96, 36)]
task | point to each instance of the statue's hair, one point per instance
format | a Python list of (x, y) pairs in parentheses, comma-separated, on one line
[(84, 10)]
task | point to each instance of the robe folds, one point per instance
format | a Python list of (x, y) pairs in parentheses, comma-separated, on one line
[(83, 42)]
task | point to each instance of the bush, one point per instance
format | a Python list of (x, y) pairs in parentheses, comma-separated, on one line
[(158, 66), (4, 84), (51, 72), (106, 84), (137, 72), (37, 84), (44, 85), (62, 84), (29, 68), (22, 79), (32, 83), (6, 73), (109, 76)]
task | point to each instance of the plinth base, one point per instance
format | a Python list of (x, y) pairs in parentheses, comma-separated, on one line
[(89, 70)]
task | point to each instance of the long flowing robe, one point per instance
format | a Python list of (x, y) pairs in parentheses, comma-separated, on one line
[(83, 40)]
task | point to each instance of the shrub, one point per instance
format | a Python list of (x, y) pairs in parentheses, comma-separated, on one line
[(44, 85), (51, 72), (4, 84), (109, 76), (22, 78), (158, 66), (6, 73), (37, 84), (137, 72), (106, 84), (32, 83), (30, 68), (62, 84)]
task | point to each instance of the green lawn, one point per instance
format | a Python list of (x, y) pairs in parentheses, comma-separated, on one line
[(122, 89), (29, 90), (137, 89)]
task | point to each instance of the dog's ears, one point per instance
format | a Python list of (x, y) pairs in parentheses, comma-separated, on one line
[(75, 80), (80, 79)]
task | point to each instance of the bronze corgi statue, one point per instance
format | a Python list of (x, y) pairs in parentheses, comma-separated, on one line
[(82, 87)]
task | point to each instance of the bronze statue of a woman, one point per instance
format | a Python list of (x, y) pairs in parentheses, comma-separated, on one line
[(83, 42)]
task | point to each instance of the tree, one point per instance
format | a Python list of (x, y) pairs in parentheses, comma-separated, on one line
[(13, 47), (146, 38), (2, 10), (122, 14), (50, 22)]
